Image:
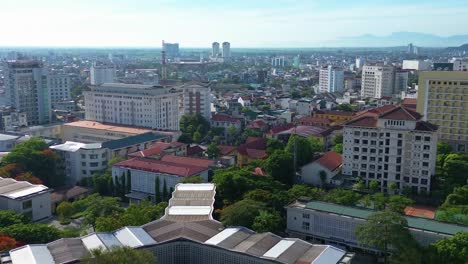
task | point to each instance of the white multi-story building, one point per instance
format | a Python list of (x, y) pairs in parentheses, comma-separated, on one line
[(277, 61), (11, 119), (26, 89), (215, 49), (60, 86), (394, 147), (133, 104), (377, 81), (226, 50), (331, 80), (102, 74), (360, 62), (25, 198), (417, 65), (459, 64), (197, 99)]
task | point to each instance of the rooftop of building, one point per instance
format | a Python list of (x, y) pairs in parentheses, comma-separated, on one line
[(108, 127), (307, 131), (330, 160), (133, 140), (14, 189), (187, 217), (362, 213)]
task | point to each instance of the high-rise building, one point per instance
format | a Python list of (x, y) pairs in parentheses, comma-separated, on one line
[(215, 49), (460, 64), (102, 74), (197, 99), (226, 50), (401, 81), (331, 80), (377, 81), (26, 89), (360, 62), (278, 61), (417, 65), (443, 100), (133, 104), (395, 148), (172, 50), (60, 87)]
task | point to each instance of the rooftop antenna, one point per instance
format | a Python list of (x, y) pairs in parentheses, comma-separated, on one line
[(163, 62)]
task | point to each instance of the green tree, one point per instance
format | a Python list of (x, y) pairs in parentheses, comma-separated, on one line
[(341, 196), (35, 157), (100, 206), (384, 230), (273, 145), (338, 139), (303, 149), (280, 166), (301, 190), (165, 193), (102, 182), (398, 203), (32, 233), (194, 179), (443, 148), (114, 160), (197, 137), (345, 108), (242, 213), (129, 182), (268, 222), (9, 217), (450, 250), (338, 148), (232, 132), (120, 255), (64, 210), (316, 145), (213, 151), (374, 185)]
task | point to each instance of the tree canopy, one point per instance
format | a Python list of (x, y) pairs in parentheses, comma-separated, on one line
[(241, 213), (450, 250), (120, 255), (280, 166)]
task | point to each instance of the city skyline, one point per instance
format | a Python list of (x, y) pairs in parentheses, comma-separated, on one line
[(245, 24)]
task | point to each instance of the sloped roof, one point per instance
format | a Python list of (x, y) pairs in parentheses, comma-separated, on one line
[(363, 121), (159, 166), (401, 113), (188, 161), (133, 140), (225, 118), (330, 160)]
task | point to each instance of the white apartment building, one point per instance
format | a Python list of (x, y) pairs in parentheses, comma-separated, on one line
[(417, 65), (215, 49), (25, 198), (331, 80), (12, 120), (226, 50), (197, 99), (134, 105), (394, 147), (277, 61), (459, 64), (60, 86), (360, 62), (377, 81), (26, 89), (102, 74)]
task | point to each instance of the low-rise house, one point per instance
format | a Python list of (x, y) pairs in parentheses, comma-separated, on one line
[(244, 101), (7, 142), (225, 121), (252, 149), (323, 134), (68, 194), (313, 121), (337, 117), (328, 165), (258, 125), (159, 149), (32, 200), (146, 174)]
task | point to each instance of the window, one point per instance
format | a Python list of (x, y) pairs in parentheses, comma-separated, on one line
[(356, 157), (406, 179), (427, 139), (371, 175), (415, 180), (400, 143), (418, 138), (397, 176), (83, 156), (424, 181), (305, 225), (365, 142), (398, 160), (400, 135), (94, 164), (84, 172), (426, 156), (27, 205), (93, 156), (398, 168), (357, 133), (83, 164), (363, 166), (306, 216), (356, 141), (425, 164), (365, 134), (356, 149), (427, 147)]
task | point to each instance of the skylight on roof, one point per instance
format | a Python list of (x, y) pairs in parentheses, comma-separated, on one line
[(279, 248), (221, 236), (189, 210), (195, 187)]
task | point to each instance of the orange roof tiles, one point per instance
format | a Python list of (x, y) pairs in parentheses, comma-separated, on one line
[(330, 160), (109, 127)]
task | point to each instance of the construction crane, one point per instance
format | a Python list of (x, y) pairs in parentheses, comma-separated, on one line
[(163, 62)]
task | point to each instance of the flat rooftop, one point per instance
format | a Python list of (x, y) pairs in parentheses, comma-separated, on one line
[(107, 127)]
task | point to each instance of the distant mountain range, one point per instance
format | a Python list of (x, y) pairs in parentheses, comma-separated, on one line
[(403, 39)]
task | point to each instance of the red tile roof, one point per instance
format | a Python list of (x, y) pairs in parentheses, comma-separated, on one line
[(333, 112), (156, 149), (401, 113), (226, 149), (279, 128), (194, 150), (159, 166), (309, 120), (410, 103), (257, 124), (330, 160), (307, 131), (225, 118), (254, 148), (188, 161), (363, 121)]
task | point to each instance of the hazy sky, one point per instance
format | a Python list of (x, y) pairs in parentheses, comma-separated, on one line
[(197, 23)]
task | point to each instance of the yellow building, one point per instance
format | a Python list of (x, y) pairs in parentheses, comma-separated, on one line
[(336, 117), (443, 100)]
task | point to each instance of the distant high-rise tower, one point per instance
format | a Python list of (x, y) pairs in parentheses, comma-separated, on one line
[(215, 49), (331, 80), (226, 50), (172, 50), (102, 74), (26, 89), (377, 81)]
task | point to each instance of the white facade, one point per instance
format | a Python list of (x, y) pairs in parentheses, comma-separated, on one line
[(460, 64), (60, 86), (277, 61), (310, 174), (417, 65), (133, 104), (7, 142), (377, 81), (102, 74), (226, 50), (23, 197), (26, 89), (331, 80), (215, 49), (393, 151), (81, 160), (360, 62), (197, 100), (304, 107), (14, 120)]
